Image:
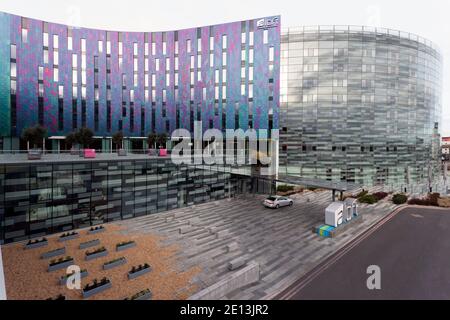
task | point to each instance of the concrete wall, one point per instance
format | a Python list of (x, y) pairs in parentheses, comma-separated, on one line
[(2, 279), (247, 275)]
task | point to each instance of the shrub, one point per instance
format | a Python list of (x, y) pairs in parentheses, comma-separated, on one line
[(139, 294), (444, 202), (98, 250), (34, 135), (71, 139), (368, 198), (36, 241), (60, 260), (139, 268), (68, 234), (84, 136), (285, 188), (58, 297), (161, 140), (399, 198), (117, 139), (418, 202), (362, 194), (152, 138), (380, 195), (96, 284), (124, 243), (431, 200)]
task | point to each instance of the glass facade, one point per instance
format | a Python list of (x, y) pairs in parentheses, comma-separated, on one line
[(359, 104), (43, 198)]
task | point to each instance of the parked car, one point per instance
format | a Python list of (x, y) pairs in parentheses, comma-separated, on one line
[(277, 202)]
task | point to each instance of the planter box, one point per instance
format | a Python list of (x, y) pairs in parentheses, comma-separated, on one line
[(107, 266), (122, 152), (53, 253), (146, 296), (126, 246), (89, 153), (96, 255), (71, 237), (34, 155), (60, 297), (163, 152), (152, 152), (96, 231), (89, 244), (36, 245), (90, 293), (138, 273), (60, 266), (63, 280)]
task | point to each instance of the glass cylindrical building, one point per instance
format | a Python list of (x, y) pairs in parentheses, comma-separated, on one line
[(359, 104)]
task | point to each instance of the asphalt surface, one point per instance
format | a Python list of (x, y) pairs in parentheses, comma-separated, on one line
[(412, 250)]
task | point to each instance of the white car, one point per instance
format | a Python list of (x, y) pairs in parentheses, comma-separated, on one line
[(277, 202)]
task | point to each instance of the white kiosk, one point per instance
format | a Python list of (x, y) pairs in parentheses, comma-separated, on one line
[(340, 212), (333, 214)]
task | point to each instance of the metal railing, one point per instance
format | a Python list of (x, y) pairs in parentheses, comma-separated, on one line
[(68, 152)]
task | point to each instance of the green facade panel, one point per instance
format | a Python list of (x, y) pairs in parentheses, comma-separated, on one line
[(5, 80)]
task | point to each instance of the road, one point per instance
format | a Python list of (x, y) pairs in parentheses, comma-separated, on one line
[(412, 250)]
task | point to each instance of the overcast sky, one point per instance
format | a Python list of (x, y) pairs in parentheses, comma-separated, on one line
[(429, 19)]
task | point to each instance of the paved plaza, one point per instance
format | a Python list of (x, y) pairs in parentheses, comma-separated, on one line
[(281, 241)]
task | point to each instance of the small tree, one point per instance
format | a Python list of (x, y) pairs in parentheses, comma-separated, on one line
[(162, 139), (71, 139), (152, 139), (84, 137), (399, 198), (34, 135), (27, 135), (117, 139)]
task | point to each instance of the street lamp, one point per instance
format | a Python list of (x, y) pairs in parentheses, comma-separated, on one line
[(430, 177)]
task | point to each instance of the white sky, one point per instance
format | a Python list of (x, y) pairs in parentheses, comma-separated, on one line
[(429, 19)]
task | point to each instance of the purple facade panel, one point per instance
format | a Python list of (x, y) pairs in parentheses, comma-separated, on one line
[(159, 81)]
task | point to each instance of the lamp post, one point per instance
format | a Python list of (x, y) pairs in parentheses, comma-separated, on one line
[(430, 177)]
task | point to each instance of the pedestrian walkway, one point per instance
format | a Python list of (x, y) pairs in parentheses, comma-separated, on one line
[(281, 241)]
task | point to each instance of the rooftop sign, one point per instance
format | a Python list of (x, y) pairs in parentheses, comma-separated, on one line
[(267, 23)]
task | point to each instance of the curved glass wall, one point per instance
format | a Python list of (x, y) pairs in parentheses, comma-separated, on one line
[(359, 104)]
